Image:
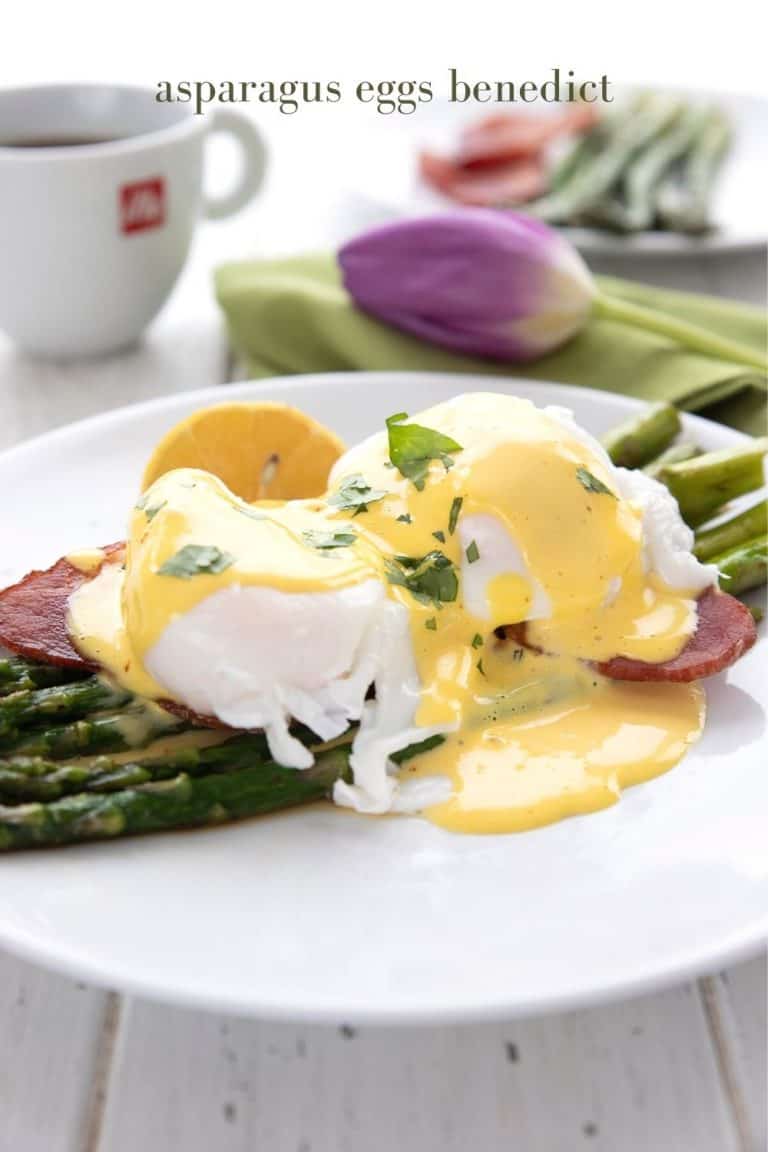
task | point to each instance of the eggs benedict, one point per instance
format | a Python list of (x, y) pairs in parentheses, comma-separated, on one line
[(470, 583)]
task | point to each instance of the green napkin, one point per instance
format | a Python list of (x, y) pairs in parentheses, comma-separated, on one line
[(292, 316)]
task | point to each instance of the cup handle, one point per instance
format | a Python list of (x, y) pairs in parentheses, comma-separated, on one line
[(254, 163)]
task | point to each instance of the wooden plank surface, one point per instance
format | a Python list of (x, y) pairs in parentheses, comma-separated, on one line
[(740, 1020), (51, 1032), (634, 1076)]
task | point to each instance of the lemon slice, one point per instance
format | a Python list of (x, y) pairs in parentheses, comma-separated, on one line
[(262, 451)]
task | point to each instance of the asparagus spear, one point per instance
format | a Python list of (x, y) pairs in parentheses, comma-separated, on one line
[(35, 778), (25, 778), (592, 180), (703, 485), (751, 523), (584, 149), (164, 805), (683, 198), (64, 780), (62, 702), (134, 727), (18, 675), (642, 438), (675, 454), (744, 566), (173, 757), (579, 155), (634, 209)]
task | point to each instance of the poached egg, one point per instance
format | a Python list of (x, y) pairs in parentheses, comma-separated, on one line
[(378, 604)]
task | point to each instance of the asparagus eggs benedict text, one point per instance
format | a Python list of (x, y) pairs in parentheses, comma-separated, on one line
[(462, 586)]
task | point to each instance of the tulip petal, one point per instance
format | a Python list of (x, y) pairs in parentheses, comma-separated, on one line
[(495, 284)]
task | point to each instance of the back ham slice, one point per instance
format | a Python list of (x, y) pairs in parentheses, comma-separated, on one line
[(33, 613), (33, 623), (500, 161), (505, 185), (505, 136), (725, 630)]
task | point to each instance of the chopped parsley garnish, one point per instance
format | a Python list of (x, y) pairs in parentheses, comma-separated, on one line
[(480, 668), (196, 560), (431, 624), (477, 640), (454, 514), (329, 539), (412, 447), (355, 492), (591, 483), (150, 513), (439, 536), (406, 518), (430, 579), (473, 552)]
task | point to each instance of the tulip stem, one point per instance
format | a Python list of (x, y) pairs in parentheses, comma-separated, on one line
[(689, 335)]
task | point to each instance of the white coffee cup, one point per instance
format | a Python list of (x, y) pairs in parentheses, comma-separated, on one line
[(93, 235)]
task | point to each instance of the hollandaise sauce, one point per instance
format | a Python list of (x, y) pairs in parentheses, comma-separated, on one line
[(551, 739), (485, 512)]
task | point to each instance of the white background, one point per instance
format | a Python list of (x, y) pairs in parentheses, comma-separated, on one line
[(679, 42)]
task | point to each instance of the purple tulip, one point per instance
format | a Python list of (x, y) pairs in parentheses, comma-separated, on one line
[(482, 282)]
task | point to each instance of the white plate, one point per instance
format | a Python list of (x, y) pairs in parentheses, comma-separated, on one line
[(324, 914), (388, 186)]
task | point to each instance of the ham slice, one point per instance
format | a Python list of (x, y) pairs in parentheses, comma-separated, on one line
[(506, 136), (33, 623), (508, 184), (725, 630), (500, 161), (33, 613)]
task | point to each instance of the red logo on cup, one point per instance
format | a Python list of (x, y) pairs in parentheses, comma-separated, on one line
[(142, 205)]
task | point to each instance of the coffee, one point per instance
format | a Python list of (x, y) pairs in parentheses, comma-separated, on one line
[(58, 141), (101, 185)]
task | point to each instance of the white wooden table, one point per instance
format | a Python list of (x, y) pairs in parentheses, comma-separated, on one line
[(87, 1070)]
